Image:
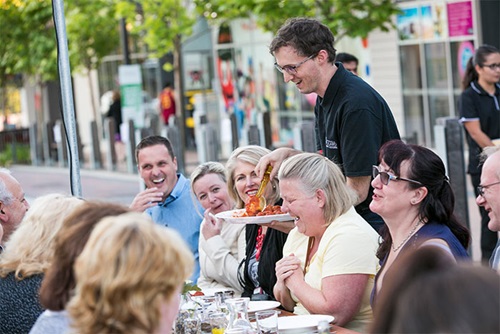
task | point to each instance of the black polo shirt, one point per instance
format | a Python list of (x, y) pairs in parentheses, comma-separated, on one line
[(352, 122), (476, 104)]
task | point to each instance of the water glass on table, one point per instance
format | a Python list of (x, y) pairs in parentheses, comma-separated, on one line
[(192, 326), (236, 331), (267, 321), (219, 322)]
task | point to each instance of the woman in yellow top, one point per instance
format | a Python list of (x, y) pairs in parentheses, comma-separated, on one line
[(329, 258)]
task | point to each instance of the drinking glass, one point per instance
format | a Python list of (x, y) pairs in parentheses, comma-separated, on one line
[(218, 321), (192, 326), (238, 312), (236, 331), (267, 321)]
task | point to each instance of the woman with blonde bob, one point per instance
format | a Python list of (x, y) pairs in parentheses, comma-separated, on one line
[(329, 258), (129, 277), (27, 256)]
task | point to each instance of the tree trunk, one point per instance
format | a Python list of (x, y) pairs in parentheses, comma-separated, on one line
[(179, 97)]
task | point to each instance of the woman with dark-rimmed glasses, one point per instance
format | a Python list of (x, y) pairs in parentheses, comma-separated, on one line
[(412, 193)]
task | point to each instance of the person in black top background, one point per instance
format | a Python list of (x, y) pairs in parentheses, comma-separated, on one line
[(479, 107), (115, 112)]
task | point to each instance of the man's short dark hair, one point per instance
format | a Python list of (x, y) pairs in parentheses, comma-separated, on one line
[(345, 57), (152, 141), (307, 36)]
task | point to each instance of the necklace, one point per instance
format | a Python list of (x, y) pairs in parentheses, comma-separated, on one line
[(395, 249)]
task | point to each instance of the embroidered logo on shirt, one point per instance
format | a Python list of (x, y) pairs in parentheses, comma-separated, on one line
[(331, 144)]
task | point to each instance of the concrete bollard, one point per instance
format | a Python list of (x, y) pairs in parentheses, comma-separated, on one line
[(109, 131), (449, 138), (47, 140), (304, 137), (95, 150), (264, 123), (34, 148), (130, 147), (172, 133), (456, 167), (61, 143), (211, 143), (253, 135), (234, 131)]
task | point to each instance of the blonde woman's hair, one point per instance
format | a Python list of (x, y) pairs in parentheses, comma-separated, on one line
[(315, 172), (250, 154), (31, 246), (127, 269)]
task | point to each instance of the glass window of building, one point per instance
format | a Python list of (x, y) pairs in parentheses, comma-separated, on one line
[(436, 38)]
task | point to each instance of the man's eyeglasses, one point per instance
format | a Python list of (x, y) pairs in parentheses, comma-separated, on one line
[(493, 66), (386, 177), (292, 69), (480, 189)]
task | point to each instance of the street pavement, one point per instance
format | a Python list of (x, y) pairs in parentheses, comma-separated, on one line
[(121, 187), (118, 187), (95, 185)]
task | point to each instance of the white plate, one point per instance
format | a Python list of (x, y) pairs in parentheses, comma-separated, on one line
[(210, 292), (261, 305), (232, 217), (300, 323)]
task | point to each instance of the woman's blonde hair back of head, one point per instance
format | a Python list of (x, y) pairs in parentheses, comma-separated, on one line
[(30, 248), (315, 172), (128, 267)]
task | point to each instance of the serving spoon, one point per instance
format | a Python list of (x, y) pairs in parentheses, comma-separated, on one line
[(263, 184)]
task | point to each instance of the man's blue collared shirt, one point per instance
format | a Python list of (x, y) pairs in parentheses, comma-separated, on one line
[(179, 212)]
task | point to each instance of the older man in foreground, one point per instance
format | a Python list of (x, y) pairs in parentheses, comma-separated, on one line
[(489, 196)]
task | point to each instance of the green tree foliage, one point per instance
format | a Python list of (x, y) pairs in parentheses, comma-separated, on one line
[(38, 53), (9, 46), (92, 29), (29, 43), (353, 18), (162, 24)]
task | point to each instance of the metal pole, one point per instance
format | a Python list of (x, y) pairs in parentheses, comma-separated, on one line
[(67, 97), (124, 39)]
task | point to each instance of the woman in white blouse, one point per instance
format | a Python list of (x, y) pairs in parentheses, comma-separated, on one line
[(222, 245)]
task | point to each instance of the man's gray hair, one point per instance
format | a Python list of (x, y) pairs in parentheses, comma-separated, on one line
[(6, 196), (487, 152)]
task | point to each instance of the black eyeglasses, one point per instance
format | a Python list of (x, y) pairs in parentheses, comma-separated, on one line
[(493, 66), (292, 69), (480, 189), (386, 177)]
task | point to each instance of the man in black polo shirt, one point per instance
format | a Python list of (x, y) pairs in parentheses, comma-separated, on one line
[(352, 119)]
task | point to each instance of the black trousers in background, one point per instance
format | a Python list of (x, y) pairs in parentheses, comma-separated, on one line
[(488, 238)]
